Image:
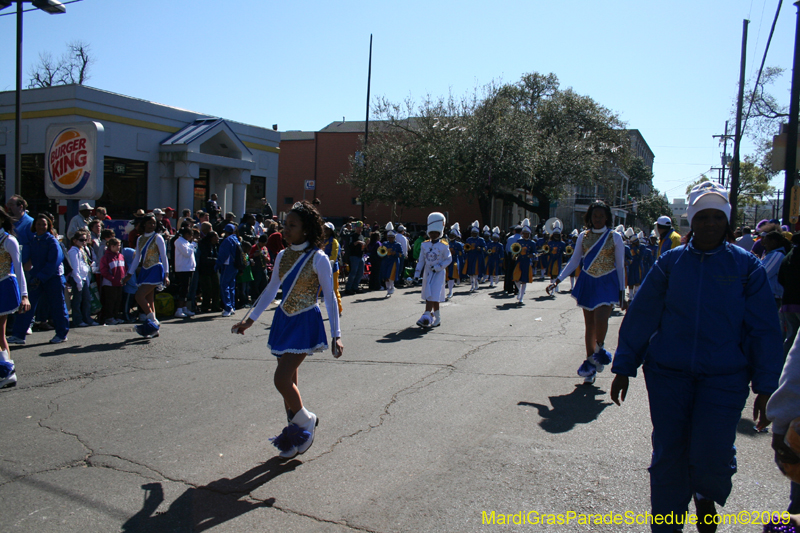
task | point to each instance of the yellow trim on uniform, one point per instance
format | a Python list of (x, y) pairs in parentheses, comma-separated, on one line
[(79, 111)]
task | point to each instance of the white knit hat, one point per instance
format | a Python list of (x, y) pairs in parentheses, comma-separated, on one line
[(707, 195)]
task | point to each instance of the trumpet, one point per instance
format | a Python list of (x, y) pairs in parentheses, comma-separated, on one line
[(569, 250), (490, 250), (468, 247), (546, 249), (516, 248), (382, 251)]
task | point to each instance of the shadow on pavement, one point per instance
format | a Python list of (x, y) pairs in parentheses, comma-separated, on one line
[(580, 406), (411, 332), (746, 427), (202, 508), (91, 348), (509, 305)]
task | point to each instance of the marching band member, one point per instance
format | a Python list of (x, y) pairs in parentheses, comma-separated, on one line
[(474, 247), (636, 265), (601, 254), (391, 251), (433, 258), (494, 257), (525, 251), (555, 255), (453, 270)]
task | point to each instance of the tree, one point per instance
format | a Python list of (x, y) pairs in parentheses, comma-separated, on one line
[(649, 208), (72, 67), (529, 136)]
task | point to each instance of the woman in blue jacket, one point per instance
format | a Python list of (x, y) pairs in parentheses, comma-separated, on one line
[(705, 326), (45, 281), (227, 261)]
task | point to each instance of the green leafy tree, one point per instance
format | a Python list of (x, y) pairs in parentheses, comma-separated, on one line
[(649, 208), (529, 136)]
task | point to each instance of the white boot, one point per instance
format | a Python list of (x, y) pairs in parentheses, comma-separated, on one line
[(450, 284), (522, 293), (571, 283), (436, 319), (152, 316), (307, 421), (8, 375)]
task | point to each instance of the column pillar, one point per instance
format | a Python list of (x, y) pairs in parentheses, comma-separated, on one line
[(186, 194), (239, 191)]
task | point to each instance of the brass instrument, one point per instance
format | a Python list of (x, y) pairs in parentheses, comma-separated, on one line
[(468, 247), (546, 249), (516, 248), (382, 251), (569, 250)]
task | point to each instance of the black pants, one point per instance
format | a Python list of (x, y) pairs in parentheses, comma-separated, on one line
[(508, 278)]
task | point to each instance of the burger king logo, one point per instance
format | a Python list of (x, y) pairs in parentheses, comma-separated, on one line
[(69, 162)]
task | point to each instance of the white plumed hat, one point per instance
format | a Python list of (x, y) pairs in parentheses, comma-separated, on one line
[(475, 227), (557, 227), (526, 226), (436, 222), (455, 230)]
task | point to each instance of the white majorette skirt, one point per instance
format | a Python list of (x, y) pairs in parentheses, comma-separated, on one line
[(591, 293), (9, 295), (300, 333), (153, 275)]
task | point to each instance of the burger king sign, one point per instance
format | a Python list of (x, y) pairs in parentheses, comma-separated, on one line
[(74, 162)]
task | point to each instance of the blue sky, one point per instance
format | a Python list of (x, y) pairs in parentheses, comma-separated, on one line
[(669, 69)]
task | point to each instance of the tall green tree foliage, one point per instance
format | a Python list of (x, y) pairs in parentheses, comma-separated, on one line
[(529, 136)]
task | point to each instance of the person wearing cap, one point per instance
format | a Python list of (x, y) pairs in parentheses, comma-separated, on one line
[(390, 264), (401, 238), (668, 237), (331, 249), (474, 251), (453, 270), (508, 265), (494, 257), (523, 268), (433, 259), (600, 253), (80, 221), (704, 326)]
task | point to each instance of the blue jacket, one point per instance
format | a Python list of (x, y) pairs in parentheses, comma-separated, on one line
[(45, 255), (704, 313), (227, 248)]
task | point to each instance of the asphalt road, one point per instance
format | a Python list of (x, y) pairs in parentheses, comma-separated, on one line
[(419, 430)]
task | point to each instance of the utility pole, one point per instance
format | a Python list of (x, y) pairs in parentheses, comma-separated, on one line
[(791, 137), (724, 159), (734, 193), (366, 122)]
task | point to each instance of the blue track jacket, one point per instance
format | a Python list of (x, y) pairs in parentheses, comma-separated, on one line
[(45, 255), (705, 313)]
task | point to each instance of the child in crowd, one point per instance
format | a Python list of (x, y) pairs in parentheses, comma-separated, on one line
[(433, 259), (297, 329), (80, 279), (112, 272)]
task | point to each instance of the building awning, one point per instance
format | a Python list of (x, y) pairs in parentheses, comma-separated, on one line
[(208, 142)]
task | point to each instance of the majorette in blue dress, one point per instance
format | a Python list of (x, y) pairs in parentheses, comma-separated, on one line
[(11, 289), (297, 327), (601, 256), (151, 255)]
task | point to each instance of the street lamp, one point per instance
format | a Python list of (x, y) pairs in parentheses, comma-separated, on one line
[(54, 7)]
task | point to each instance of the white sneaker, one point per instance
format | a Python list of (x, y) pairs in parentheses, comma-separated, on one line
[(179, 313), (187, 312), (425, 320), (10, 379), (227, 313), (29, 332), (58, 340), (589, 380)]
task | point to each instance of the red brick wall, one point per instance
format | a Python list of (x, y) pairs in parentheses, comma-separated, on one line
[(331, 152)]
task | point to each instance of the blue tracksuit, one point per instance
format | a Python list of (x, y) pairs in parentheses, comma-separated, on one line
[(228, 272), (705, 326), (44, 281)]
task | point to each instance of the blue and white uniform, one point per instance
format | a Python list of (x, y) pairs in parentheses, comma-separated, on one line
[(434, 256), (300, 272), (12, 277), (601, 256), (705, 326), (151, 255)]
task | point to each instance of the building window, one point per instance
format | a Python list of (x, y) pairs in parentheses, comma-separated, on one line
[(256, 190), (201, 190), (124, 187)]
